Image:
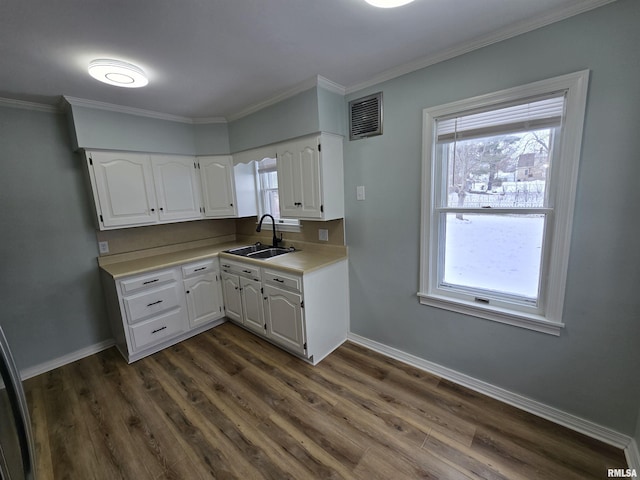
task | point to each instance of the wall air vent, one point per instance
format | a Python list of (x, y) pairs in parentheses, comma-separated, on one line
[(365, 116)]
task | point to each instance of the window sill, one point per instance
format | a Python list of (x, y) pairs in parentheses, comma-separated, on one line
[(517, 319), (283, 227)]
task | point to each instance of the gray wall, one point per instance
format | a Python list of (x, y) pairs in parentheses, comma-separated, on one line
[(332, 112), (292, 117), (95, 128), (591, 370), (211, 139), (49, 288)]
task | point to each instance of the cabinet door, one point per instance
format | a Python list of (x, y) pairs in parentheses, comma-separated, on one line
[(299, 181), (124, 184), (203, 299), (252, 305), (288, 181), (216, 175), (232, 298), (283, 315), (177, 187)]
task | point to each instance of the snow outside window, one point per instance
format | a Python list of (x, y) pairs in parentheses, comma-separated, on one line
[(268, 199), (499, 179)]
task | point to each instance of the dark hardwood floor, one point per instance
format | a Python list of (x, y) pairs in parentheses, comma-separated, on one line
[(226, 404)]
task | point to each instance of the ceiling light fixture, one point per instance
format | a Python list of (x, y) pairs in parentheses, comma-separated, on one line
[(388, 3), (118, 73)]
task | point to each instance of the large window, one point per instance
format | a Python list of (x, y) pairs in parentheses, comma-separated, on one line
[(499, 178)]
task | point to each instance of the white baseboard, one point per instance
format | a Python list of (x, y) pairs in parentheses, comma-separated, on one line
[(633, 455), (552, 414), (66, 359)]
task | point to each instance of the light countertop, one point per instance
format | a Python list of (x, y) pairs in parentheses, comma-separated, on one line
[(300, 261)]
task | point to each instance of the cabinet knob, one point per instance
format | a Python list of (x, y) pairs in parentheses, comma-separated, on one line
[(161, 209), (153, 209)]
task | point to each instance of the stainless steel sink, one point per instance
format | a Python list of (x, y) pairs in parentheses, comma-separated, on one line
[(259, 251), (269, 252), (246, 250)]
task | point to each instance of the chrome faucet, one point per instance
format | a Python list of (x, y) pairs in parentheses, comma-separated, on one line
[(273, 221)]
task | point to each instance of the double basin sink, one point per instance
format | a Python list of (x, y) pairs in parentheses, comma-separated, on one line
[(259, 251)]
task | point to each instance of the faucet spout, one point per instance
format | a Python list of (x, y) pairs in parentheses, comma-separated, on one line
[(275, 239)]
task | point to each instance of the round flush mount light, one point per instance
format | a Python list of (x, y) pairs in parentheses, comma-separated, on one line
[(118, 73), (388, 3)]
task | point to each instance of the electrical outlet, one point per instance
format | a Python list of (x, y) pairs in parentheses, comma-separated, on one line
[(323, 234), (360, 192), (103, 247)]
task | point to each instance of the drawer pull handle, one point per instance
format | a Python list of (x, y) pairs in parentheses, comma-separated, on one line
[(278, 280), (154, 303), (151, 281), (226, 266), (198, 269), (158, 329), (246, 271)]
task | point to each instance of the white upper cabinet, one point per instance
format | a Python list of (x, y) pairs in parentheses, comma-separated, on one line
[(310, 178), (132, 189), (227, 190), (177, 187), (123, 189)]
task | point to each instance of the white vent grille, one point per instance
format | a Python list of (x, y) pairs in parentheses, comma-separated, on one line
[(365, 116)]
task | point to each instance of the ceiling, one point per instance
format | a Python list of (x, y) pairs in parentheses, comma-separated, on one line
[(208, 59)]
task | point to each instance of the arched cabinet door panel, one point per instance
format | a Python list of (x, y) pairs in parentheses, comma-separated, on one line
[(124, 189)]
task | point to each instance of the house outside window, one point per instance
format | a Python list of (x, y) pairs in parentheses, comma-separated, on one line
[(499, 180)]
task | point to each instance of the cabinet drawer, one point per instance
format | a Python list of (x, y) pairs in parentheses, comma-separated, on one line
[(243, 269), (147, 281), (152, 302), (157, 329), (286, 280), (199, 268)]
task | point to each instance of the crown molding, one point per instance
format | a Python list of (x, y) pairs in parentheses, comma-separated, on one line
[(299, 88), (208, 120), (39, 107), (480, 42), (317, 81), (81, 102), (330, 85)]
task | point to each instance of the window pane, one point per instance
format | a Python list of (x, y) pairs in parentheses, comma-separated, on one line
[(272, 203), (504, 171), (498, 253)]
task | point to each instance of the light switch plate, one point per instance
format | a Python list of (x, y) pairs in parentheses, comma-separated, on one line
[(323, 234), (103, 247), (360, 192)]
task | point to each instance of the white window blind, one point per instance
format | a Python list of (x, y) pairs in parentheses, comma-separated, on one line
[(267, 165), (534, 114)]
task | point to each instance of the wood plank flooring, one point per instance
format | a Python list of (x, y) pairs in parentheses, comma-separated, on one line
[(226, 405)]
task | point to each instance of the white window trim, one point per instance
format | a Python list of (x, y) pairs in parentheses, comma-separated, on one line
[(550, 320)]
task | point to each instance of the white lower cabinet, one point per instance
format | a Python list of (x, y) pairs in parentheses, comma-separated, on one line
[(203, 292), (242, 291), (253, 313), (305, 314), (151, 311), (231, 294), (157, 329), (283, 314)]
